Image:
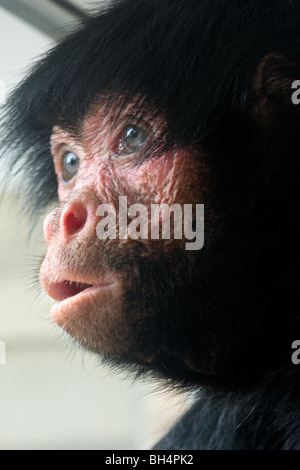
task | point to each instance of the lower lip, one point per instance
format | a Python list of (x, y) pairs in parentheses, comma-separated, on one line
[(81, 300)]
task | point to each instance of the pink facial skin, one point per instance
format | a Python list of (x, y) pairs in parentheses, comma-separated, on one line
[(81, 272)]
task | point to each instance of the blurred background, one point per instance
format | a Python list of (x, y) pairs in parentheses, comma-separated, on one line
[(52, 397)]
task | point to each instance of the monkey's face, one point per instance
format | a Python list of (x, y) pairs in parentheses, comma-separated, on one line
[(119, 296)]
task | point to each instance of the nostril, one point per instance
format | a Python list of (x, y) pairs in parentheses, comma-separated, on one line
[(74, 219), (74, 223)]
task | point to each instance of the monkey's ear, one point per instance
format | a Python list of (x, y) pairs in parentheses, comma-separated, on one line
[(273, 81)]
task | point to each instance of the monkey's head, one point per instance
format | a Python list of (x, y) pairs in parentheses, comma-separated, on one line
[(169, 104)]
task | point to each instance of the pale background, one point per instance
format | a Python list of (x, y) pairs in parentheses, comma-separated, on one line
[(52, 397)]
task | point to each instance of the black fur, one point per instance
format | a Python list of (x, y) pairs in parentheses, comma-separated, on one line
[(263, 418), (221, 71), (194, 59)]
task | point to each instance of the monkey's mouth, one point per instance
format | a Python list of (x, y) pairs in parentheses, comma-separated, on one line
[(63, 290)]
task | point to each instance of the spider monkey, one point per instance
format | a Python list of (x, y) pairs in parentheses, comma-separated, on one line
[(176, 102)]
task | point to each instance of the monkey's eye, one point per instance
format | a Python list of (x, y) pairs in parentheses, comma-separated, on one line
[(132, 140), (70, 166)]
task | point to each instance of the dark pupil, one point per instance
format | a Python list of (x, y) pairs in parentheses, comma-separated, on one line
[(132, 140), (70, 167), (71, 160), (131, 135)]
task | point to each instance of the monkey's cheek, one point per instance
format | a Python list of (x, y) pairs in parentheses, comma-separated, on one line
[(94, 318)]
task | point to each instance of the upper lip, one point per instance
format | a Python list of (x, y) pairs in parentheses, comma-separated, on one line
[(63, 288), (63, 281)]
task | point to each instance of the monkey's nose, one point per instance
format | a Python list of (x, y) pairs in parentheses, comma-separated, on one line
[(73, 219)]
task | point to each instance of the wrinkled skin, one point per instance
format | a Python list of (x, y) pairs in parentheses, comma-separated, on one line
[(137, 285)]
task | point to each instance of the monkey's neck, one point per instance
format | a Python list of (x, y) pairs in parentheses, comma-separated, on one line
[(265, 417)]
